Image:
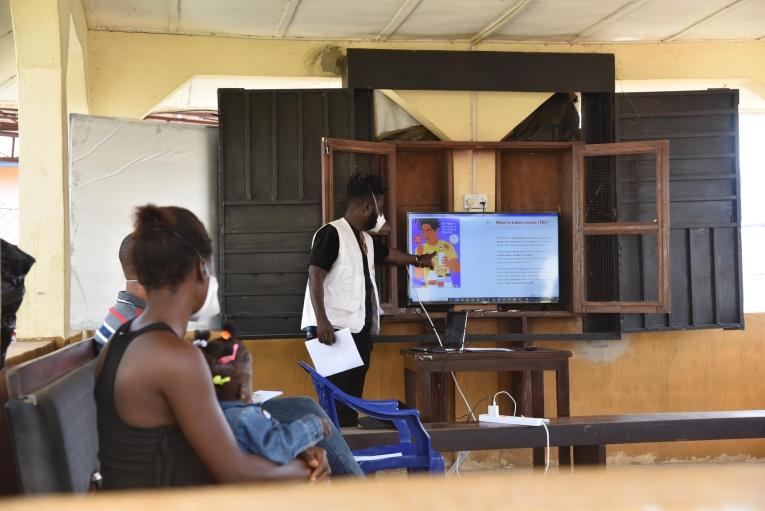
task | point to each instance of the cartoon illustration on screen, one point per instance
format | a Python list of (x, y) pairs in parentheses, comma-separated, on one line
[(442, 237)]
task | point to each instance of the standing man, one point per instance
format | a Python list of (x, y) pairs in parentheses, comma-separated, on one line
[(342, 292)]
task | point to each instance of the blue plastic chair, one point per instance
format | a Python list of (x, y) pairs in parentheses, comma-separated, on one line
[(414, 451)]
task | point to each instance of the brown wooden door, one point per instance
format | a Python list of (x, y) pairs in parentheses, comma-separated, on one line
[(621, 243), (342, 158)]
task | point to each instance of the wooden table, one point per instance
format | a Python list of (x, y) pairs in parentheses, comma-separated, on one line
[(430, 389)]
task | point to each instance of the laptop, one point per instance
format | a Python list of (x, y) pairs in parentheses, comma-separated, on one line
[(454, 335)]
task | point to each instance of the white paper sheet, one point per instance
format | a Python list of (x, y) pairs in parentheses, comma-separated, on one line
[(261, 396), (339, 357)]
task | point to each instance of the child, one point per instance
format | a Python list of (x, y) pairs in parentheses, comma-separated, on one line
[(255, 430)]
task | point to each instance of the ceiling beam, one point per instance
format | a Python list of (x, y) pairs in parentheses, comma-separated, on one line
[(287, 16), (398, 19), (174, 15), (90, 13), (702, 21), (498, 23), (614, 16)]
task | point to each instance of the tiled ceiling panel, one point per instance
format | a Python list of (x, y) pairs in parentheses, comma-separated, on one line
[(362, 19), (446, 20), (656, 20), (556, 20), (451, 19), (746, 20), (128, 15), (233, 17)]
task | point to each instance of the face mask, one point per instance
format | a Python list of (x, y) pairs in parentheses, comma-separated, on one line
[(211, 307), (380, 219)]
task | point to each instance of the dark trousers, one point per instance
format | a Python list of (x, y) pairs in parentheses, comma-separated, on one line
[(352, 381)]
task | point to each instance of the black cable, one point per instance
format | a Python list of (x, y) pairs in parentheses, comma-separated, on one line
[(472, 410)]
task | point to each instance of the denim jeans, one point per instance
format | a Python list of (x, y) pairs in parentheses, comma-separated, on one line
[(278, 441), (340, 457)]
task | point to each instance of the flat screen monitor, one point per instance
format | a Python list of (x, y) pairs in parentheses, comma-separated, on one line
[(485, 257)]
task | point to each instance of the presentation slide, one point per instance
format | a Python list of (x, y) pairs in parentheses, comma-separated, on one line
[(485, 257)]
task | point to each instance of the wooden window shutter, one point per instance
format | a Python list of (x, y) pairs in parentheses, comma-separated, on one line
[(622, 228)]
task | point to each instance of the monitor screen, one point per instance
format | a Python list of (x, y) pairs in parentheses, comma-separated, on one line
[(485, 257)]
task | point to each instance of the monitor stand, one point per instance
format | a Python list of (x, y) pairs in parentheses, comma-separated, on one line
[(442, 349)]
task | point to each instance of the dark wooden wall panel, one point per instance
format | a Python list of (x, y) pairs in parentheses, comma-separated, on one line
[(270, 197), (423, 183), (598, 127), (679, 277), (705, 247), (233, 152), (260, 139), (702, 283), (724, 246), (287, 172)]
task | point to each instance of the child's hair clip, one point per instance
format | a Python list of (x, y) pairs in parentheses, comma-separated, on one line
[(229, 358), (220, 380), (225, 335), (200, 343)]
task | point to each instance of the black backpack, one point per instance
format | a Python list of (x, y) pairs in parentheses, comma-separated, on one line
[(14, 265)]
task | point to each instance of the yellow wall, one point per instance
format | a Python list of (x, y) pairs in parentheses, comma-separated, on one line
[(130, 73), (643, 373)]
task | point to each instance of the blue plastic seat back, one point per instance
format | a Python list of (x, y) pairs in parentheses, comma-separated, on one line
[(325, 393), (415, 445)]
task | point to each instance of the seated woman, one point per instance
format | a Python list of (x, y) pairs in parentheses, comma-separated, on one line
[(254, 427), (159, 422)]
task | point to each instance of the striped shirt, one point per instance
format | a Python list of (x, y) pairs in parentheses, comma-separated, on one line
[(127, 307)]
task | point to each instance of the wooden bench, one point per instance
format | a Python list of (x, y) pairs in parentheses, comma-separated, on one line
[(588, 436)]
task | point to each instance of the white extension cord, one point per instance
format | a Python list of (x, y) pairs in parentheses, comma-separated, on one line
[(493, 407), (455, 468), (493, 416)]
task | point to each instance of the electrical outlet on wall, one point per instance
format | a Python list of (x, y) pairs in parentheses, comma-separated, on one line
[(475, 201)]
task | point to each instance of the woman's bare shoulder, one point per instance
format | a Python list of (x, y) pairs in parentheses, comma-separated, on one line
[(178, 354)]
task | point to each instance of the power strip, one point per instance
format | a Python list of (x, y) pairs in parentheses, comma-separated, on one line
[(509, 419)]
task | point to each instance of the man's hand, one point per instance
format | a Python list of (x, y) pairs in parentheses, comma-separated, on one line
[(316, 459), (427, 260), (326, 333)]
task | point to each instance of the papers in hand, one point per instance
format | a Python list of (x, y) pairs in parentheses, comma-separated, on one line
[(339, 357), (261, 396)]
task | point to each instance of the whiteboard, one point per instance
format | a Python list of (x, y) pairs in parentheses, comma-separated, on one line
[(116, 165)]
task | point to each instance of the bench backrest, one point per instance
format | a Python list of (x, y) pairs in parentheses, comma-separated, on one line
[(54, 434), (48, 435)]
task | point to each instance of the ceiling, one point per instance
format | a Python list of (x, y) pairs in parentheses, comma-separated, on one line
[(476, 21), (585, 21)]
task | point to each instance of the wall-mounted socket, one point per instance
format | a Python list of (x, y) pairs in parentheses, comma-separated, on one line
[(475, 201)]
